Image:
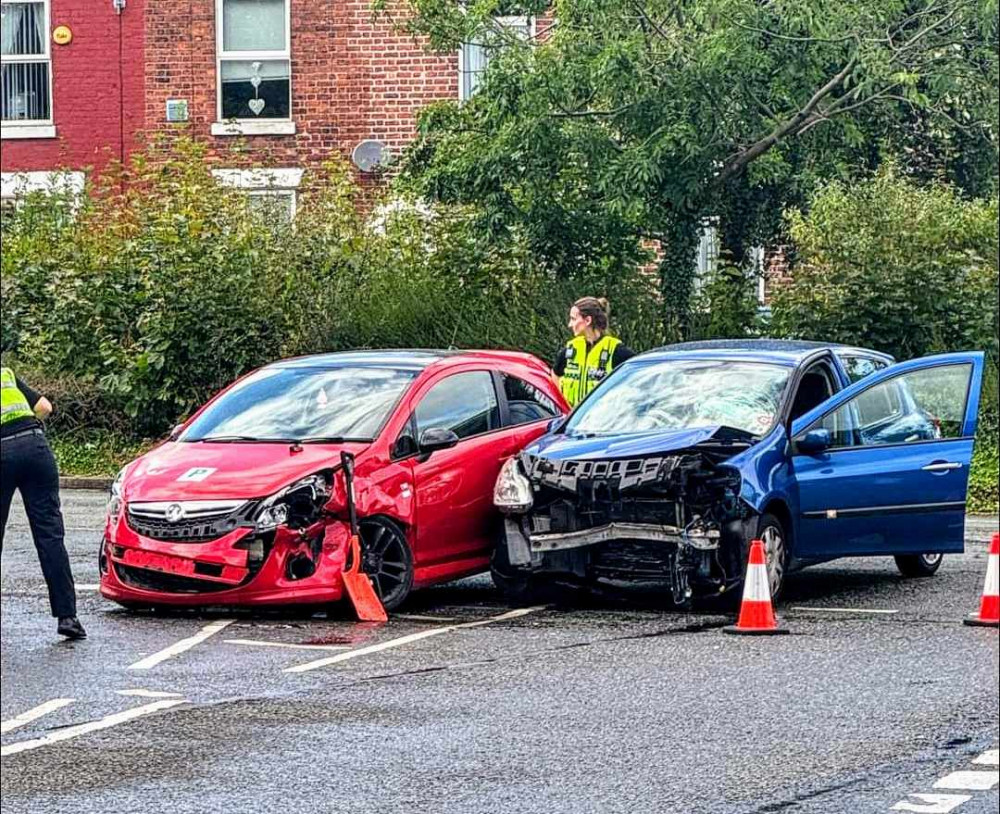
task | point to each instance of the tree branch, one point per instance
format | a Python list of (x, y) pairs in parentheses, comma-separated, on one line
[(739, 162)]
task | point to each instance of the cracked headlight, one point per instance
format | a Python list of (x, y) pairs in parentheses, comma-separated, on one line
[(298, 506), (512, 493), (115, 496)]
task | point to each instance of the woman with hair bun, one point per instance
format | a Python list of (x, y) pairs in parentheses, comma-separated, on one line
[(591, 354)]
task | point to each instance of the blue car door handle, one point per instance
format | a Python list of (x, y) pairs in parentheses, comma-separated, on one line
[(942, 466)]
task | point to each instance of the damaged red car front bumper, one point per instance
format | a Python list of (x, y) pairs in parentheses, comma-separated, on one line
[(240, 568)]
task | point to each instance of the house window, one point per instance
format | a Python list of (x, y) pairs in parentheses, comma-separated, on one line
[(271, 193), (475, 56), (254, 60), (26, 63)]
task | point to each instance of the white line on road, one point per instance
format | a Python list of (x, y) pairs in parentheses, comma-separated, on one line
[(404, 640), (148, 694), (878, 611), (933, 803), (969, 781), (416, 617), (990, 758), (92, 726), (34, 714), (87, 587), (182, 646), (259, 643)]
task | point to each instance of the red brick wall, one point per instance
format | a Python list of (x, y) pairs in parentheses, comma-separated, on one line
[(352, 79), (95, 98)]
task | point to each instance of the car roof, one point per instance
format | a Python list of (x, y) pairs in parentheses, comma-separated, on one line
[(403, 359), (776, 351)]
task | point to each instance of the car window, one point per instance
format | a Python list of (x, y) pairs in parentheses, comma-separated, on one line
[(525, 402), (860, 367), (924, 405), (465, 403), (814, 389)]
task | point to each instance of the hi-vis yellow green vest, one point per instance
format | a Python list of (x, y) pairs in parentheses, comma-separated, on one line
[(12, 401), (584, 371)]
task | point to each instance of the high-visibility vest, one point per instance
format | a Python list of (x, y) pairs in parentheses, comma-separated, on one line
[(584, 371), (13, 402)]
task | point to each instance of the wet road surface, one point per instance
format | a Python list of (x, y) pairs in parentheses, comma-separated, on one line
[(880, 700)]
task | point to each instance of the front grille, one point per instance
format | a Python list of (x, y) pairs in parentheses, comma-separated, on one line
[(166, 583), (192, 521)]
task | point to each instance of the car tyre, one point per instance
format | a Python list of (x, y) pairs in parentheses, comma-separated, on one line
[(917, 566), (771, 532), (516, 586), (387, 559)]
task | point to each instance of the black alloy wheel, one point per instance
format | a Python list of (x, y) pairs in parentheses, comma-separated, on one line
[(386, 558), (915, 566)]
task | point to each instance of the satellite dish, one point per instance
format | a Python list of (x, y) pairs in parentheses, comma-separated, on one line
[(370, 155)]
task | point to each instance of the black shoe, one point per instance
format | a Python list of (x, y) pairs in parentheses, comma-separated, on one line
[(70, 627)]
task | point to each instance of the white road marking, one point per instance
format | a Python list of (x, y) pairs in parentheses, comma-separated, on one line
[(991, 758), (877, 611), (34, 714), (258, 643), (88, 587), (415, 617), (404, 640), (148, 694), (933, 803), (182, 646), (92, 726), (969, 781)]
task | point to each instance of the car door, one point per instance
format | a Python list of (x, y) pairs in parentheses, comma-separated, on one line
[(454, 487), (894, 477)]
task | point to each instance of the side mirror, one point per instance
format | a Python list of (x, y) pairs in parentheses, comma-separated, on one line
[(437, 438), (815, 441), (175, 433)]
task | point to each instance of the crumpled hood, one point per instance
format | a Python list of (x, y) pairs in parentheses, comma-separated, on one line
[(566, 447), (217, 471)]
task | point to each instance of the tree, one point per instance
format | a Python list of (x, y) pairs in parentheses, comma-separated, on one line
[(621, 121)]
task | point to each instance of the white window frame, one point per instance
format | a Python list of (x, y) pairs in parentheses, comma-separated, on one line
[(33, 128), (259, 183), (14, 186), (508, 21), (251, 127)]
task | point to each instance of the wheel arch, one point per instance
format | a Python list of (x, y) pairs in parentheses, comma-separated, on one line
[(779, 509)]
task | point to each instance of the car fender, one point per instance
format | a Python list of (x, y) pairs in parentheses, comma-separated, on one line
[(765, 474)]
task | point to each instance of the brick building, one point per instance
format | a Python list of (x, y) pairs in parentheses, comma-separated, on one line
[(272, 86)]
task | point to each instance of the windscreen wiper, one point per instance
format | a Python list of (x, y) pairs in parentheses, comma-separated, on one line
[(332, 439), (237, 439)]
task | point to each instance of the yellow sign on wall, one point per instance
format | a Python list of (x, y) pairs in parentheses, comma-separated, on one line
[(62, 35)]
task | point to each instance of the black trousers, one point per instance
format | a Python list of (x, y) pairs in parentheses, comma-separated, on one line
[(27, 465)]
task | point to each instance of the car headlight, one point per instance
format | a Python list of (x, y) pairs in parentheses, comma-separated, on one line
[(512, 493), (298, 505), (115, 496)]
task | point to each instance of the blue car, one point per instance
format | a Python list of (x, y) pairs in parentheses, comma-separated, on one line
[(686, 454)]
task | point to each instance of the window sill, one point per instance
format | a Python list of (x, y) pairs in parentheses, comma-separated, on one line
[(253, 128), (9, 132)]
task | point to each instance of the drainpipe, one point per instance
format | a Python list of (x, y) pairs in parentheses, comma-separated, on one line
[(119, 7)]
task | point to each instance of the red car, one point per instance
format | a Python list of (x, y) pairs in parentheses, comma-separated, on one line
[(246, 503)]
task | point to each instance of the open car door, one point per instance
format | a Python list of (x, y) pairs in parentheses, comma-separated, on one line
[(883, 466)]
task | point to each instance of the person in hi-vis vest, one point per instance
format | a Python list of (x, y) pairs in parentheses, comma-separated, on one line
[(28, 466), (591, 354)]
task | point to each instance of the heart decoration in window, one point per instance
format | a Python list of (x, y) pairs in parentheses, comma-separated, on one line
[(256, 106)]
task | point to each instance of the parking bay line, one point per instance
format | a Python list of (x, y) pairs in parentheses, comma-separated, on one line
[(182, 646), (260, 643), (404, 640), (91, 726), (34, 714), (969, 781), (148, 694), (990, 758), (876, 611)]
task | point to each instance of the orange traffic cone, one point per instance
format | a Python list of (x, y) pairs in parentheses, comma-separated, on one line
[(989, 609), (756, 613)]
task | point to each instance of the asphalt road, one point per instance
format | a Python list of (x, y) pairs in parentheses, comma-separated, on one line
[(611, 706)]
